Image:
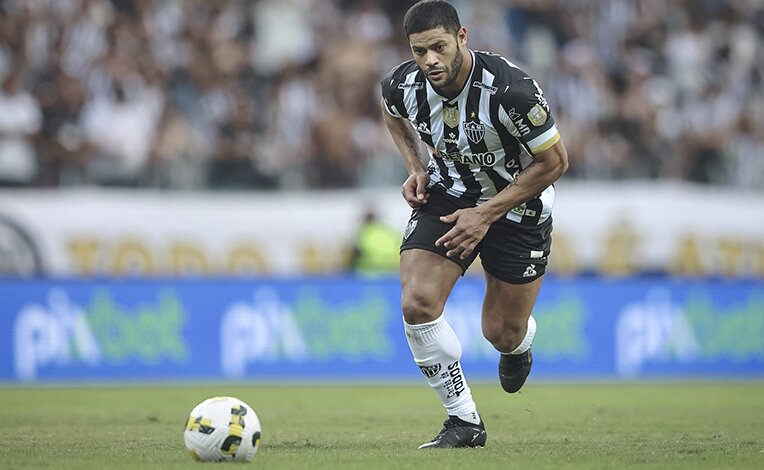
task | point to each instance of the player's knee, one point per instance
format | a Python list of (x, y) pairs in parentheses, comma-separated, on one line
[(419, 309), (505, 338)]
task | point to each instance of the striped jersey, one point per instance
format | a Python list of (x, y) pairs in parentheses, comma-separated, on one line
[(480, 140)]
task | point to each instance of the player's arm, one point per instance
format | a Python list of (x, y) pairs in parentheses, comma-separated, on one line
[(547, 167), (414, 189), (472, 224)]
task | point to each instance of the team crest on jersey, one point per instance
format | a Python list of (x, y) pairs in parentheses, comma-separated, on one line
[(451, 116), (474, 130), (537, 115)]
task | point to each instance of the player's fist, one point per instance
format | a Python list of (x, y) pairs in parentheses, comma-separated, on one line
[(414, 189)]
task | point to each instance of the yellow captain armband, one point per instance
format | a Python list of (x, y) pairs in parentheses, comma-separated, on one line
[(544, 141)]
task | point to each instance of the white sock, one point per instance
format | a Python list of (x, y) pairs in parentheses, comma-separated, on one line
[(525, 344), (437, 351)]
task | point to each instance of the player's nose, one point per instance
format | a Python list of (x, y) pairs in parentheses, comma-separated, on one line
[(431, 60)]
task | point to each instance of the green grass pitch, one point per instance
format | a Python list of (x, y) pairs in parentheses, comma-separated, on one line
[(608, 426)]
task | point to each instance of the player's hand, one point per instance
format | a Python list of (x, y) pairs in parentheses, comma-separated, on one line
[(414, 189), (470, 227)]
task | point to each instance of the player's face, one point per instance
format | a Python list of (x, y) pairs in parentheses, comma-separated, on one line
[(440, 56)]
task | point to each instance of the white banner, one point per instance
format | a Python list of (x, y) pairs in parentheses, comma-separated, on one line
[(613, 229)]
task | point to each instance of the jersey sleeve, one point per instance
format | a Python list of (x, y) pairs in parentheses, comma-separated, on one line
[(392, 96), (525, 113)]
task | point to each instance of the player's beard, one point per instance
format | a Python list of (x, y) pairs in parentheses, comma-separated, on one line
[(453, 71)]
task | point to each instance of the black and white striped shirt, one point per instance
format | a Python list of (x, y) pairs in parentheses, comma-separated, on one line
[(480, 140)]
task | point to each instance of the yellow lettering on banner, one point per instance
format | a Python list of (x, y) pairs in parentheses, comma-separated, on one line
[(620, 246), (83, 253), (758, 260), (687, 261), (244, 259), (317, 259), (310, 259), (731, 259), (563, 259), (132, 257), (187, 258)]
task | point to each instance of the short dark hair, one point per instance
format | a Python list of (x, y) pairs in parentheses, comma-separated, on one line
[(429, 14)]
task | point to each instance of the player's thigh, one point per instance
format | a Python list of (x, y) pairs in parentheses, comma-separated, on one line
[(507, 306), (427, 279), (514, 259)]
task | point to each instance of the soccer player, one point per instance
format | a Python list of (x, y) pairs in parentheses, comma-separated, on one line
[(494, 152)]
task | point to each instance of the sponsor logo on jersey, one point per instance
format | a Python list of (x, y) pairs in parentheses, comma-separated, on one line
[(414, 85), (537, 116), (422, 128), (489, 88), (451, 116), (482, 159), (430, 371), (523, 211), (520, 126), (451, 139), (474, 130)]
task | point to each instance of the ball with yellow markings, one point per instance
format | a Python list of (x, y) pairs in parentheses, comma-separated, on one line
[(222, 429)]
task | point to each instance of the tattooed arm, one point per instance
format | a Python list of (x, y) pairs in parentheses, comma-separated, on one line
[(414, 189)]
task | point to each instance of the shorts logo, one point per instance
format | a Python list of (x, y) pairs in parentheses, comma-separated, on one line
[(409, 228), (430, 371), (530, 271)]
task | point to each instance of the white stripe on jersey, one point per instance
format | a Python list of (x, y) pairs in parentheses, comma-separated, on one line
[(409, 92), (539, 141)]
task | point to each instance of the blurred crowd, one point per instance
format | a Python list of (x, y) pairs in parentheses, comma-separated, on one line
[(284, 94)]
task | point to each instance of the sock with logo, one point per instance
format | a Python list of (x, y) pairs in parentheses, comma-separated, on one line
[(530, 333), (437, 351)]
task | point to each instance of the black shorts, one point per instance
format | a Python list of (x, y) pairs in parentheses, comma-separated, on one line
[(511, 252)]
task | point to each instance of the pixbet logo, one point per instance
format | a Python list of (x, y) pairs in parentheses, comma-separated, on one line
[(652, 332), (262, 331), (57, 333)]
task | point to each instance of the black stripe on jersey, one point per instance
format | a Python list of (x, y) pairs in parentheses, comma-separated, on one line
[(533, 210), (423, 115), (391, 92), (473, 189), (473, 118), (508, 141), (423, 111)]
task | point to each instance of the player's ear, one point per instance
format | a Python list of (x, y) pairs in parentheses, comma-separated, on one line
[(461, 36)]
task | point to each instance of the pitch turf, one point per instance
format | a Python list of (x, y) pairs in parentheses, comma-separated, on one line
[(675, 426)]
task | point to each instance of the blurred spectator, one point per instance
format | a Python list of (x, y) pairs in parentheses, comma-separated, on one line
[(283, 94), (376, 248), (20, 119), (120, 129)]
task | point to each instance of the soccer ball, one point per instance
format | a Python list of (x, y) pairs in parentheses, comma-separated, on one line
[(222, 429)]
